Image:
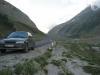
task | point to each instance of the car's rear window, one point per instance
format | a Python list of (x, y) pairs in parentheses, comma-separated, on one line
[(18, 35)]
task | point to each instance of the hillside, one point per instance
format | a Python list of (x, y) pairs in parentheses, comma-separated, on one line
[(81, 40), (84, 25), (12, 19)]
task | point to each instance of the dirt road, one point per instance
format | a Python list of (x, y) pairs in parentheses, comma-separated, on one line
[(11, 58)]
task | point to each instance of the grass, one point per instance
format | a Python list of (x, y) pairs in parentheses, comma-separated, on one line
[(6, 26), (7, 71), (93, 70), (43, 59), (83, 51), (30, 66), (67, 54), (56, 62), (18, 69), (38, 36)]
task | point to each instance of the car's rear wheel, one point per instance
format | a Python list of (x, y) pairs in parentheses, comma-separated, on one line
[(3, 50), (32, 48)]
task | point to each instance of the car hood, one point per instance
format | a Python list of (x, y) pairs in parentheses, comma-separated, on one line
[(15, 39)]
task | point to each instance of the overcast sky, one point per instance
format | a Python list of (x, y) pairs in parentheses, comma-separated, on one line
[(48, 13)]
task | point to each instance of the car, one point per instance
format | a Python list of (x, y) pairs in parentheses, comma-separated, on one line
[(19, 40)]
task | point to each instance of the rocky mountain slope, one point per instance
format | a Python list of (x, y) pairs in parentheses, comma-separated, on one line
[(85, 25), (12, 19), (80, 38)]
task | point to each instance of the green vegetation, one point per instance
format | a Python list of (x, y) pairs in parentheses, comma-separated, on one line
[(83, 51), (93, 70), (42, 60), (6, 26), (67, 54), (18, 69), (4, 20), (56, 62), (38, 36), (85, 24), (7, 71), (29, 67)]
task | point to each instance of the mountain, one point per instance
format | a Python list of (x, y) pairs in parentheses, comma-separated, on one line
[(12, 19), (84, 25)]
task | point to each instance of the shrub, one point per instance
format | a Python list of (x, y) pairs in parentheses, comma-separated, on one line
[(93, 70), (7, 71), (29, 67), (42, 60)]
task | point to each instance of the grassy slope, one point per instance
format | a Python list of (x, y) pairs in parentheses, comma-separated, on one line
[(12, 19), (85, 25), (84, 52), (5, 25)]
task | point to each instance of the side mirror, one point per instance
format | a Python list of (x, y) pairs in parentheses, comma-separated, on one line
[(29, 34)]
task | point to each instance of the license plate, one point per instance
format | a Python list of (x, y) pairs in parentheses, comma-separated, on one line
[(9, 45)]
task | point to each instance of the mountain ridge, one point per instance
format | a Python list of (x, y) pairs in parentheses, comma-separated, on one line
[(13, 19), (84, 25)]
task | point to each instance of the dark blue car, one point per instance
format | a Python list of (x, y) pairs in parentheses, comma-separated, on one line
[(19, 40)]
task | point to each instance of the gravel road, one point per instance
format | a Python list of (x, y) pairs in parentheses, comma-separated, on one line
[(11, 58)]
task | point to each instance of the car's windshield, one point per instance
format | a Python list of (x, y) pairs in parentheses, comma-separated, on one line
[(18, 35)]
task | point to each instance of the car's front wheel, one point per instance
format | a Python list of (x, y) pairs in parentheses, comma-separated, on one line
[(26, 48)]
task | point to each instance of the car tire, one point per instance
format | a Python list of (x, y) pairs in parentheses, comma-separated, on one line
[(3, 50), (26, 48), (32, 48)]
